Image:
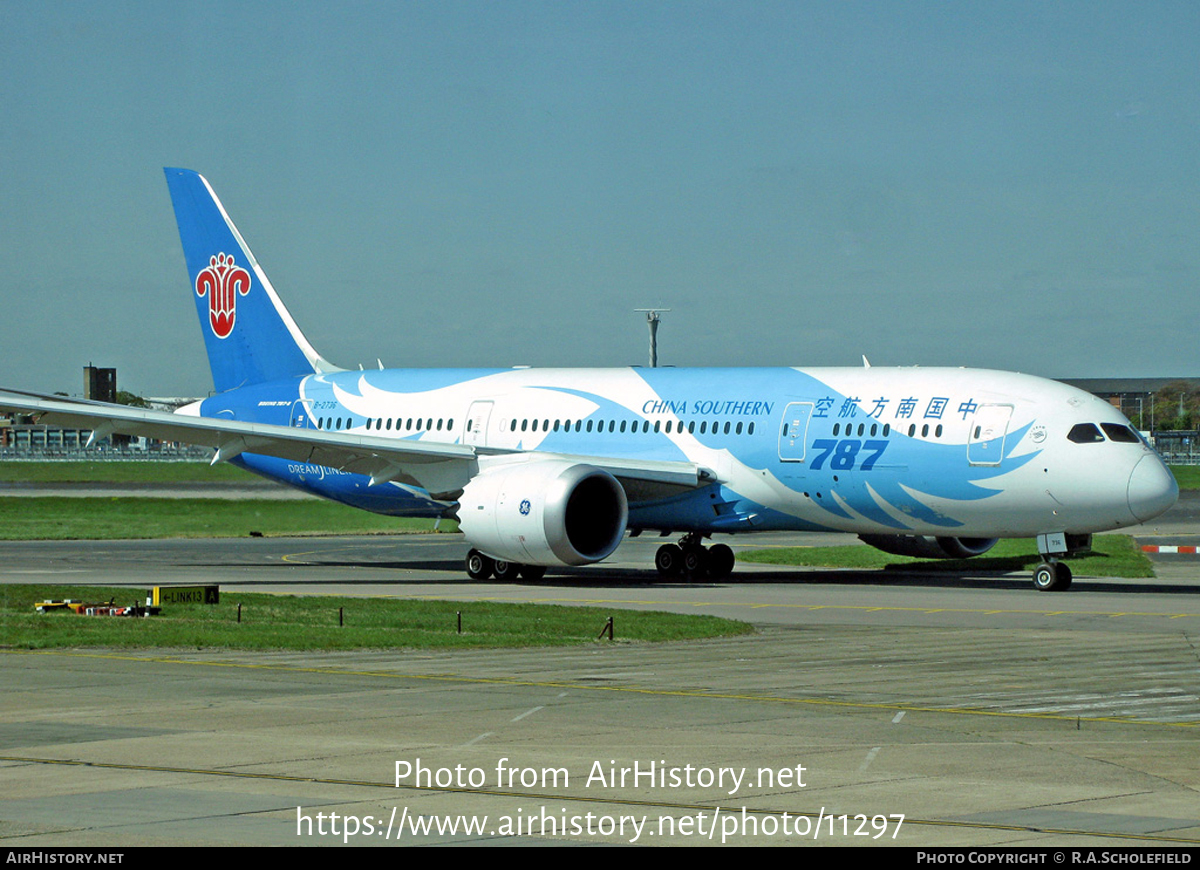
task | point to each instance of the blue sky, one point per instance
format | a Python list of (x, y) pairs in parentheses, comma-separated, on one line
[(1002, 185)]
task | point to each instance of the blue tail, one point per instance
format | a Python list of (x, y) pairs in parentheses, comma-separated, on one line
[(249, 334)]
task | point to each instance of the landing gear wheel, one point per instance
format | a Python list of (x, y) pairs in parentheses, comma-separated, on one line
[(720, 561), (533, 572), (1052, 577), (479, 566), (695, 561), (669, 560), (1063, 570), (506, 572)]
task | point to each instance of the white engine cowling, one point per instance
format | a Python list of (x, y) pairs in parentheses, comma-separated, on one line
[(928, 547), (545, 512)]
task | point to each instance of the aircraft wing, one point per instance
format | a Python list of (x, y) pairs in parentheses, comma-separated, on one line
[(440, 469)]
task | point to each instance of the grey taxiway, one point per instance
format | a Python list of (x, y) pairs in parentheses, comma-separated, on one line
[(981, 711)]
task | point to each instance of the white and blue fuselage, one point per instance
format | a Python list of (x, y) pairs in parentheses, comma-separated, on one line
[(907, 451)]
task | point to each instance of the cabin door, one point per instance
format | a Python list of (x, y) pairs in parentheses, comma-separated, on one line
[(793, 431), (477, 423), (989, 427)]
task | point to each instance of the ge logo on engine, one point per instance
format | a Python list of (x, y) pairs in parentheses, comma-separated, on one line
[(525, 507)]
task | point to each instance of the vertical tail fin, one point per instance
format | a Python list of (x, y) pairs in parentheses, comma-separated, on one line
[(249, 334)]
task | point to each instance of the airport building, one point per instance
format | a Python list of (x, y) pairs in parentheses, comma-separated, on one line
[(23, 437)]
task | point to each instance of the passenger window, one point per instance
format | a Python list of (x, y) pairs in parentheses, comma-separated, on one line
[(1084, 433), (1119, 433), (750, 429)]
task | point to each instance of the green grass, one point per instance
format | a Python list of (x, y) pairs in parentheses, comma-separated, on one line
[(311, 623), (122, 472), (60, 519), (1187, 476), (1112, 556)]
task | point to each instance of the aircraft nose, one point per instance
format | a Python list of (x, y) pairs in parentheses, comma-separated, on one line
[(1152, 488)]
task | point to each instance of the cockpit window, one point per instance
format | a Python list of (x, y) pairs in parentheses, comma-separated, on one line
[(1120, 433), (1084, 433)]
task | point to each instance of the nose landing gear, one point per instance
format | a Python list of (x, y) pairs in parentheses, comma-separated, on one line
[(1053, 575)]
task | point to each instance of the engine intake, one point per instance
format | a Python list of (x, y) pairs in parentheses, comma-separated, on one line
[(545, 512)]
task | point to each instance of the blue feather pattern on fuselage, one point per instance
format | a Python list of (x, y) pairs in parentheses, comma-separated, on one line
[(909, 470)]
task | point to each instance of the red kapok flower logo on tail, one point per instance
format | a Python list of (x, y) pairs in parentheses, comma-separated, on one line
[(222, 280)]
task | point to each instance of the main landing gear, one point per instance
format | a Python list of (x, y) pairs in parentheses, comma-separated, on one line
[(692, 559), (481, 567)]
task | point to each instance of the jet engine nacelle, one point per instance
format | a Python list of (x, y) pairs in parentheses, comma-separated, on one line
[(544, 512), (927, 547)]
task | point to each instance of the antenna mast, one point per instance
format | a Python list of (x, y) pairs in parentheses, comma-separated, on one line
[(652, 320)]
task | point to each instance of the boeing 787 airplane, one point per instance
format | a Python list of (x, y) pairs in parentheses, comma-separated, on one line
[(551, 467)]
